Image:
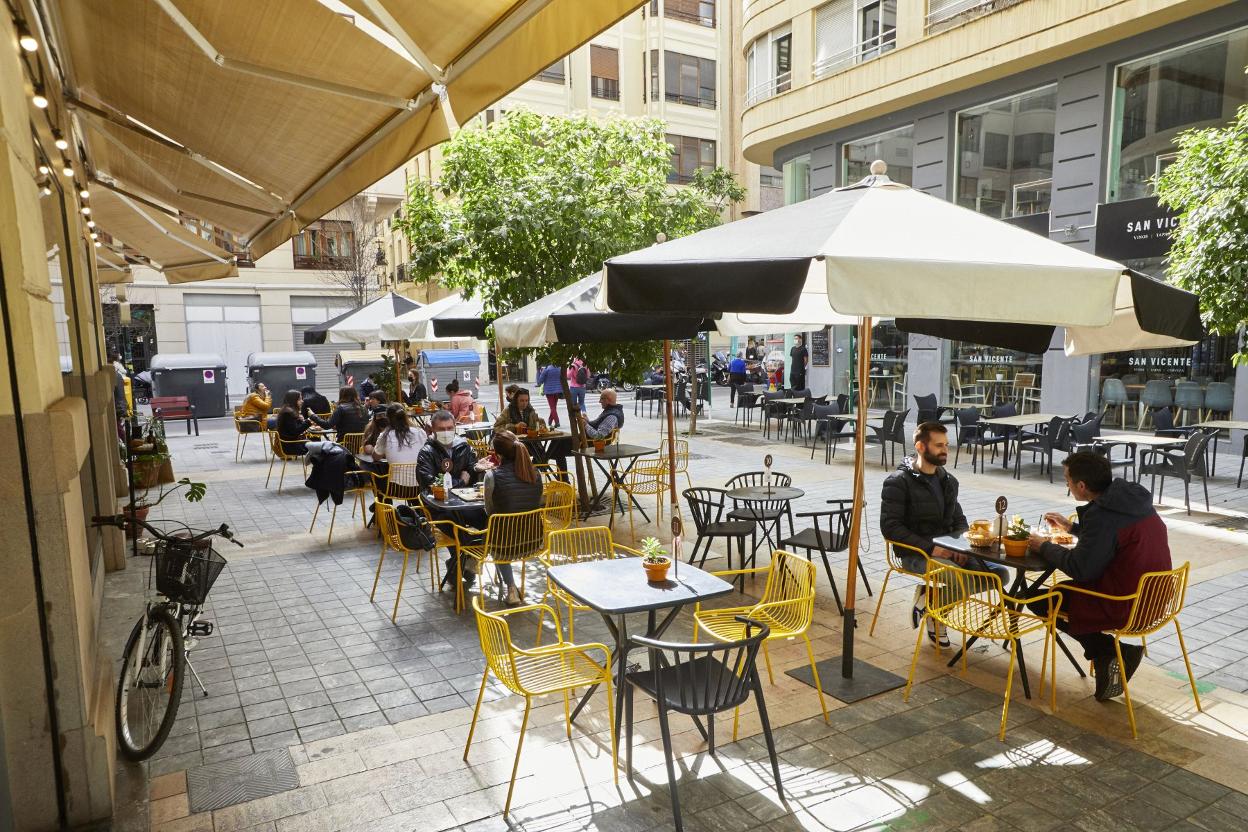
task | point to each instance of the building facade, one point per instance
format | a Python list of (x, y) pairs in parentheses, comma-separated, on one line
[(1051, 114)]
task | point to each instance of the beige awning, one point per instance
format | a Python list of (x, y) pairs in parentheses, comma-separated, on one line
[(172, 248), (262, 117)]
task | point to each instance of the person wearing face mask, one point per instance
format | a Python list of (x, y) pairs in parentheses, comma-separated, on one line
[(446, 447)]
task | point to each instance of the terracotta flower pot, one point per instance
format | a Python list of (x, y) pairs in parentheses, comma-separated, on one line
[(1015, 548), (600, 446), (656, 573), (138, 514)]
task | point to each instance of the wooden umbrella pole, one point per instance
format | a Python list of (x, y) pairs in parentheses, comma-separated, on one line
[(398, 372), (671, 423), (855, 527)]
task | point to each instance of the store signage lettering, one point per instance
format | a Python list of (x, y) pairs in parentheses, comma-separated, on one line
[(988, 359), (1156, 362), (1136, 229)]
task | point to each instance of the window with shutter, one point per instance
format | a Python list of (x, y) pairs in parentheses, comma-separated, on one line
[(604, 72)]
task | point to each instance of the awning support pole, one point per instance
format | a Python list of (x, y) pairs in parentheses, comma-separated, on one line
[(671, 426), (855, 527)]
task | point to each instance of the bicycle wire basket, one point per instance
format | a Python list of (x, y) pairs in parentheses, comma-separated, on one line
[(185, 573)]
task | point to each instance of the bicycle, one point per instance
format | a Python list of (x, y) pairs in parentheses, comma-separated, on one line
[(149, 688)]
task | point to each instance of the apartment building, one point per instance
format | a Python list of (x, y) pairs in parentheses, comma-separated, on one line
[(1051, 114)]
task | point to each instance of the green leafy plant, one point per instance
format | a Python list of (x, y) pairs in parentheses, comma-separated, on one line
[(652, 550), (195, 492), (385, 379), (535, 202), (1207, 184), (1017, 529)]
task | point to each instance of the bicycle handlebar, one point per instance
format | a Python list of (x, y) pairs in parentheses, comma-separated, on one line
[(120, 521)]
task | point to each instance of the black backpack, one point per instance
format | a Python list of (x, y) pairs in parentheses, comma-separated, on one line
[(582, 375)]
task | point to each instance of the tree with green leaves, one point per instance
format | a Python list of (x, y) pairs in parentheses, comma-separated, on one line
[(1207, 185), (535, 202)]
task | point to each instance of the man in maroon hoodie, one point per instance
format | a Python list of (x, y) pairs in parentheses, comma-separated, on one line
[(1120, 538)]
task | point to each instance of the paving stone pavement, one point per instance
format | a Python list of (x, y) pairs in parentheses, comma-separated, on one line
[(302, 661)]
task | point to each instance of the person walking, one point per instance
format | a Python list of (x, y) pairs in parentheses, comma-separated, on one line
[(799, 360), (551, 379), (578, 377), (736, 377)]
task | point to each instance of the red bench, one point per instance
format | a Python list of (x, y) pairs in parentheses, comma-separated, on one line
[(175, 407)]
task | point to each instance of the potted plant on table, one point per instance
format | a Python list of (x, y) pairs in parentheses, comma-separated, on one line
[(1017, 536), (654, 560)]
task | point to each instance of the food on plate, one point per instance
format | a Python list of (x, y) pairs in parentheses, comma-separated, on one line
[(1062, 538)]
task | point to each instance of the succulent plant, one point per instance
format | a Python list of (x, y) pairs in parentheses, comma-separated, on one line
[(652, 550)]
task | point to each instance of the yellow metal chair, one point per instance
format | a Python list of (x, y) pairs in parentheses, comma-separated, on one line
[(787, 606), (577, 546), (399, 484), (281, 451), (647, 477), (480, 446), (559, 501), (256, 427), (509, 538), (1156, 603), (388, 525), (894, 565), (552, 473), (554, 668), (682, 458), (974, 604)]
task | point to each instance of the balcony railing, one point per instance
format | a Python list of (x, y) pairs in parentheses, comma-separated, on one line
[(690, 100), (322, 262), (696, 19), (865, 51), (768, 87), (941, 14)]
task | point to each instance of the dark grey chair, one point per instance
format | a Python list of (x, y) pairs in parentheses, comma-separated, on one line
[(889, 435), (831, 428), (761, 512), (1183, 464), (1042, 443), (834, 537), (699, 680), (706, 506), (975, 435)]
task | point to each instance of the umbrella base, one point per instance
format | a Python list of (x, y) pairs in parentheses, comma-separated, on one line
[(867, 681)]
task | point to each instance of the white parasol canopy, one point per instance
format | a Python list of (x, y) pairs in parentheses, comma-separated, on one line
[(417, 325)]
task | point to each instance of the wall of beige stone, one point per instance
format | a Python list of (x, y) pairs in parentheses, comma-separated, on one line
[(52, 594)]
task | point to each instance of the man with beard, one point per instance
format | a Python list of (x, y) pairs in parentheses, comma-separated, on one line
[(919, 502)]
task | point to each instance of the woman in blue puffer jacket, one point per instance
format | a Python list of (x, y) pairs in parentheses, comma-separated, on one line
[(551, 379)]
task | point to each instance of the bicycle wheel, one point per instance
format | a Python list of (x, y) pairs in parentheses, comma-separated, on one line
[(150, 686)]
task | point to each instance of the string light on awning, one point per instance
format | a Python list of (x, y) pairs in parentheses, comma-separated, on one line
[(39, 99), (25, 39), (59, 140), (67, 168)]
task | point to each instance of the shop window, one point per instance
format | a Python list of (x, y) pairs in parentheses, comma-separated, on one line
[(895, 148), (1002, 147), (993, 371), (1197, 85)]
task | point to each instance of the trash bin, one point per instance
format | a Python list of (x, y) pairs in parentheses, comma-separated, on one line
[(439, 367), (200, 376), (356, 365), (282, 371)]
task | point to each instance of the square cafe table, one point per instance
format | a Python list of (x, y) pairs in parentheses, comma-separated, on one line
[(1020, 588), (617, 588), (1022, 420), (611, 456), (1218, 425)]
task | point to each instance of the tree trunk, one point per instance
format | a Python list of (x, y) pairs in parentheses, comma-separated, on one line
[(578, 442)]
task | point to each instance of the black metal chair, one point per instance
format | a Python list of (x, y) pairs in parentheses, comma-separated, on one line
[(773, 409), (1163, 424), (746, 404), (706, 506), (767, 512), (928, 409), (831, 428), (800, 419), (975, 435), (1242, 459), (1043, 442), (833, 538), (649, 397), (892, 432), (1185, 464), (699, 680)]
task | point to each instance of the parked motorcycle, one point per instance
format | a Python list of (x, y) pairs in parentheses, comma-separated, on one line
[(719, 369), (601, 381)]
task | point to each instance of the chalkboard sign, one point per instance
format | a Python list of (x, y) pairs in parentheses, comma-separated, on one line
[(821, 347)]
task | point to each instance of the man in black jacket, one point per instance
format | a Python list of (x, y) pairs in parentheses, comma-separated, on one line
[(919, 502), (445, 453)]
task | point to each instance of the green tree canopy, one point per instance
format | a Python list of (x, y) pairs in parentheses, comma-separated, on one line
[(1208, 186), (534, 203)]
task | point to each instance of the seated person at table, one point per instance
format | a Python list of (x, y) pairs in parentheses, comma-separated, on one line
[(1120, 537), (255, 407), (348, 417), (367, 386), (509, 391), (519, 412), (919, 502), (374, 400), (291, 427), (314, 402), (400, 443), (415, 392), (512, 487), (611, 418), (460, 404), (446, 446)]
